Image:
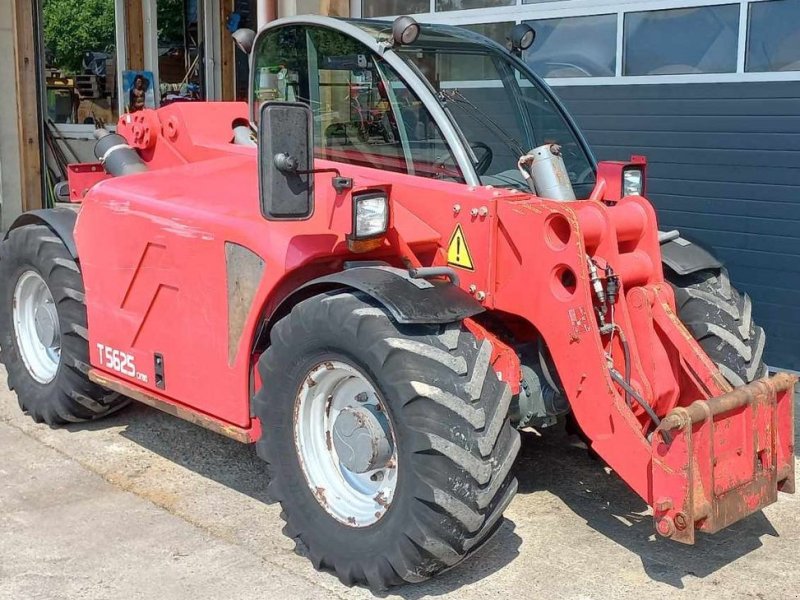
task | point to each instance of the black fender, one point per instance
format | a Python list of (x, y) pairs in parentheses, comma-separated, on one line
[(684, 257), (60, 220), (410, 300)]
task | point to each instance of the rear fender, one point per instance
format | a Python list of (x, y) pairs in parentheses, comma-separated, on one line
[(60, 220), (684, 257)]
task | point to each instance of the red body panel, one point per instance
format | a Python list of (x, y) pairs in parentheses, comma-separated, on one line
[(153, 256)]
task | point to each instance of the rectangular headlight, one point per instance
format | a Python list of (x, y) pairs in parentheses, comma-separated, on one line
[(632, 182), (370, 215)]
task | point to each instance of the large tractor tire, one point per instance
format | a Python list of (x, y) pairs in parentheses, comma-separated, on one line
[(389, 446), (43, 333), (720, 319)]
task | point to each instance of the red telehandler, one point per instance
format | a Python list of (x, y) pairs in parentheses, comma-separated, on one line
[(379, 306)]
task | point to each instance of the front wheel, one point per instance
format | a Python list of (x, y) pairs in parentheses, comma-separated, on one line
[(389, 445)]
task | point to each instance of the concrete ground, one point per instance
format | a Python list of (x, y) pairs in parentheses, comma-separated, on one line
[(143, 505)]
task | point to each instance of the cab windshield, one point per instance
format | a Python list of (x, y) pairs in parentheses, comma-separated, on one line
[(501, 109), (365, 113)]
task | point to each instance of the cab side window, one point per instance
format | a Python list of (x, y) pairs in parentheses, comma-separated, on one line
[(363, 112), (280, 67)]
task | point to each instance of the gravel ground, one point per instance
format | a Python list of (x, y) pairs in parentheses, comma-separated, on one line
[(144, 505)]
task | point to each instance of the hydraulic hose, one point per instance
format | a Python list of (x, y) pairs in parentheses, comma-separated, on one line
[(545, 370), (626, 353), (617, 376)]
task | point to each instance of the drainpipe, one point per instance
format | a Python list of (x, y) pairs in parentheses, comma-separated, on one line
[(267, 12)]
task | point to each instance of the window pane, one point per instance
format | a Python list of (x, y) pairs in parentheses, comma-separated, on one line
[(773, 41), (383, 8), (687, 40), (465, 4), (494, 31), (280, 67), (365, 115), (574, 47), (501, 120), (469, 67)]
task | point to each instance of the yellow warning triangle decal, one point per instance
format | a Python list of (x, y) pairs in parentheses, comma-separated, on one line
[(458, 253)]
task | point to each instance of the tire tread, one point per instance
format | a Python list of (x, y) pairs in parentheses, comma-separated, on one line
[(70, 397), (720, 319), (455, 409)]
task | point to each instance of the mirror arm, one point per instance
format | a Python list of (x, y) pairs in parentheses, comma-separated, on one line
[(286, 163), (339, 183)]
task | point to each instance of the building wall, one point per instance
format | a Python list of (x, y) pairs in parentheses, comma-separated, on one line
[(724, 168), (10, 195)]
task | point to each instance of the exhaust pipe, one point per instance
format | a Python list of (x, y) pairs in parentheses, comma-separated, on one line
[(116, 156)]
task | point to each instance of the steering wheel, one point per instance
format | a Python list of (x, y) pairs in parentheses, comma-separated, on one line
[(480, 167)]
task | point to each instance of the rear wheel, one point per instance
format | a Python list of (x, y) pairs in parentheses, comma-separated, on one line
[(43, 333), (389, 445), (720, 319)]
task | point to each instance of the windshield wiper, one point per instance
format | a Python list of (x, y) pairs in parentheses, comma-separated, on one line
[(455, 96)]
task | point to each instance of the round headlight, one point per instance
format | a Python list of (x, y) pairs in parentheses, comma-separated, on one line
[(405, 30), (522, 36)]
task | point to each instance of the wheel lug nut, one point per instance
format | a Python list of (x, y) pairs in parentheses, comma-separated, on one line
[(378, 476), (362, 397)]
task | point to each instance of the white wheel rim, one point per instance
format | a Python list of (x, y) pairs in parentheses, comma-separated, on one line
[(333, 393), (36, 327)]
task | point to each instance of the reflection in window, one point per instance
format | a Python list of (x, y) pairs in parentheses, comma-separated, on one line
[(773, 39), (574, 47), (689, 40), (444, 5), (363, 112), (494, 31), (281, 67), (384, 8), (470, 67), (501, 121)]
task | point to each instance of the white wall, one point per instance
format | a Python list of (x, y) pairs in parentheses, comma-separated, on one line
[(10, 198)]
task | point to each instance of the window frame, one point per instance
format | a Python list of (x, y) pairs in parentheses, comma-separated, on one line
[(554, 9), (611, 15), (749, 15), (379, 67), (646, 15), (446, 127)]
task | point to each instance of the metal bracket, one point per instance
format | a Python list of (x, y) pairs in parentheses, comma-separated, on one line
[(728, 458)]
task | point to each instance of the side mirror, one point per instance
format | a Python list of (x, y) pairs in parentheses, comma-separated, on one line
[(244, 38), (286, 159)]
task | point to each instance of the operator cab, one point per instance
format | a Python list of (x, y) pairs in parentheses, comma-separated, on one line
[(450, 105)]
